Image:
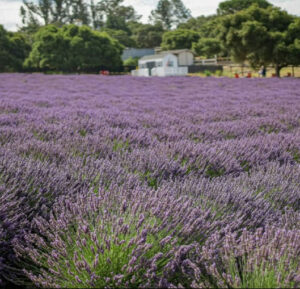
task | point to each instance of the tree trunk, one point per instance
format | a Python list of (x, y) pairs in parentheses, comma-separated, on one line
[(277, 70)]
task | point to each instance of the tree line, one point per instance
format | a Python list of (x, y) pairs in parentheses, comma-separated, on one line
[(76, 35)]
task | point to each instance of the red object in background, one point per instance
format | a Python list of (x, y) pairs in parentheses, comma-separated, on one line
[(249, 75), (273, 75), (236, 75), (104, 72), (289, 74)]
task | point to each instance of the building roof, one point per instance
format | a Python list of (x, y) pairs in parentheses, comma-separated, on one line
[(176, 52), (137, 52), (154, 57)]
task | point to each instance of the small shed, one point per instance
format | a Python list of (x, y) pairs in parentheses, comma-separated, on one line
[(185, 56), (165, 64)]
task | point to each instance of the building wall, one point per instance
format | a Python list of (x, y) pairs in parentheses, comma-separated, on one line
[(164, 60), (170, 57), (136, 52), (140, 72), (169, 71), (165, 65), (185, 58)]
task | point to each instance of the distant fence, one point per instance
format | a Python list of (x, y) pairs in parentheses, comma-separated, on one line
[(213, 61), (244, 69), (210, 61), (116, 69), (203, 68)]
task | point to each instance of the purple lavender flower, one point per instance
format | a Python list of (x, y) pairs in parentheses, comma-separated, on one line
[(179, 179)]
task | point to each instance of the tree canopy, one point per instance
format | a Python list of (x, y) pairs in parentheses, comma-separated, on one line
[(14, 49), (233, 6), (170, 12), (208, 47), (131, 61), (146, 35), (179, 39), (54, 11), (262, 36), (122, 36), (114, 15), (104, 13), (72, 48)]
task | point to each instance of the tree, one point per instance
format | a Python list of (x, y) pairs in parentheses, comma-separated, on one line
[(293, 36), (72, 48), (262, 37), (233, 6), (131, 61), (206, 26), (208, 47), (97, 17), (19, 49), (5, 56), (146, 35), (29, 19), (54, 11), (179, 39), (113, 15), (49, 50), (120, 35), (170, 12), (194, 23), (77, 11), (117, 23), (44, 10), (13, 50)]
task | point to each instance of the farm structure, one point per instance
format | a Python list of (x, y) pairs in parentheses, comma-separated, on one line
[(165, 64), (185, 57)]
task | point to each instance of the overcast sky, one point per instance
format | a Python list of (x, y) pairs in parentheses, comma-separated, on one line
[(9, 9)]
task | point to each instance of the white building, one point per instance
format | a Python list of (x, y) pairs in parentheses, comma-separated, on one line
[(165, 64), (185, 56)]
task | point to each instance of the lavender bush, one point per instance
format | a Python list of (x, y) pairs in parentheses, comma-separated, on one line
[(267, 258), (158, 182)]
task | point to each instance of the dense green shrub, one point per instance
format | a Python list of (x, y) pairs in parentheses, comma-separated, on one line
[(72, 48), (131, 61), (13, 50)]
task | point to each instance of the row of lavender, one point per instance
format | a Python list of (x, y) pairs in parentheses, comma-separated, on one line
[(123, 182)]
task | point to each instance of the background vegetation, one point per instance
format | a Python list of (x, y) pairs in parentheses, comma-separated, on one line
[(76, 36)]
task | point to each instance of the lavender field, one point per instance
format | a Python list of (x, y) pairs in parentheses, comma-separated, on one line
[(157, 182)]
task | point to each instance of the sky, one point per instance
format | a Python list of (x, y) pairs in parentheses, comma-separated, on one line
[(9, 9)]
